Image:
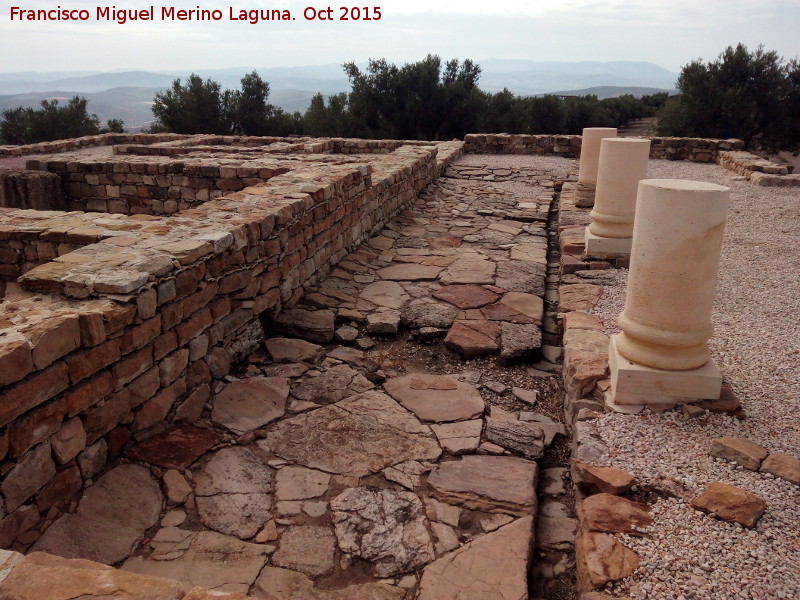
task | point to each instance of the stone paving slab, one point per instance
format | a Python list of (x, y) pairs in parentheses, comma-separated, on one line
[(111, 517), (175, 448), (472, 247), (492, 568), (354, 438)]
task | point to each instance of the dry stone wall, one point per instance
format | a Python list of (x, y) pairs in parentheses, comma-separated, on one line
[(504, 143), (152, 184), (121, 323), (669, 148), (727, 153), (88, 141), (759, 170), (116, 322), (164, 178)]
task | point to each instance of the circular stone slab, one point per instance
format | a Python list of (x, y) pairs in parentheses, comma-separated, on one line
[(437, 398)]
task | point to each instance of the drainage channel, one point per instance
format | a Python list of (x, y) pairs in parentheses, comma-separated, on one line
[(553, 575)]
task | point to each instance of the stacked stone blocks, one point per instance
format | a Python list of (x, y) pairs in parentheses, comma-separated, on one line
[(140, 314)]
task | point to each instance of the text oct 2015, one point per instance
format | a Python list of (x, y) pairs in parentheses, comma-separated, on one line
[(171, 13)]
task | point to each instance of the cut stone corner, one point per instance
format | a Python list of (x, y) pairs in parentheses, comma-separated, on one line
[(603, 247), (635, 386)]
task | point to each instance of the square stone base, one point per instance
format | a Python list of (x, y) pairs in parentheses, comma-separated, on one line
[(636, 385), (603, 247)]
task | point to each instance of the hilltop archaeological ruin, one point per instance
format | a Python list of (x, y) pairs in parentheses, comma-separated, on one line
[(239, 367)]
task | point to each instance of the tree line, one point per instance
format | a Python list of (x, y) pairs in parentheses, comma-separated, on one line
[(426, 100), (750, 95), (754, 96), (53, 121)]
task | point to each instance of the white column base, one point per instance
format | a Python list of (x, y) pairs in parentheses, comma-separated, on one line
[(603, 247), (636, 385)]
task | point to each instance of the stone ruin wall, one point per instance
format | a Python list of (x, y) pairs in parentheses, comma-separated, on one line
[(89, 141), (729, 154), (121, 323), (667, 148)]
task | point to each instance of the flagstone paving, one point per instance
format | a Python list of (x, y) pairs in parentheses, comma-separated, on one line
[(382, 444)]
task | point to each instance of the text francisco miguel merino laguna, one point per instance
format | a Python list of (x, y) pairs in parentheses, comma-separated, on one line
[(171, 13)]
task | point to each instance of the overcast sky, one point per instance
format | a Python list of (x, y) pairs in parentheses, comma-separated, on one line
[(668, 33)]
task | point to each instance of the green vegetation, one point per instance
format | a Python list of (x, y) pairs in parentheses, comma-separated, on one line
[(550, 114), (753, 96), (53, 121), (202, 107), (428, 100), (423, 100)]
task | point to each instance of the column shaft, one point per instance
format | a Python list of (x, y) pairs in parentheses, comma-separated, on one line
[(590, 155), (623, 163), (677, 242)]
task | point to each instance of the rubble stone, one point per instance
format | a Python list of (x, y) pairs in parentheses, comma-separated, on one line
[(524, 438), (466, 296), (459, 438), (608, 480), (471, 339), (314, 326), (41, 576), (612, 514), (34, 470), (600, 558), (739, 450), (248, 404), (730, 503), (408, 474), (299, 483), (211, 560), (111, 517), (330, 387), (784, 466), (291, 350), (174, 448)]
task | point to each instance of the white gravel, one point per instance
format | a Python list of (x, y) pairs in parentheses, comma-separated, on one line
[(757, 345)]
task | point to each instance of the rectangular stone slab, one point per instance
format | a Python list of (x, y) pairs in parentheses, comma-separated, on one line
[(634, 384), (489, 483), (603, 247)]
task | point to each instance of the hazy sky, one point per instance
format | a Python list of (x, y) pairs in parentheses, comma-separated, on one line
[(669, 33)]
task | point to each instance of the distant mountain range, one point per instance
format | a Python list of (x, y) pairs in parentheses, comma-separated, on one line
[(128, 95), (613, 91)]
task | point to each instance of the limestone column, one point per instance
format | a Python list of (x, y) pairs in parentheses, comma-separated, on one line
[(622, 164), (590, 154), (662, 356)]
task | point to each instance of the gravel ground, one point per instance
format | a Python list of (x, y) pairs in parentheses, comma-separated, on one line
[(757, 345)]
